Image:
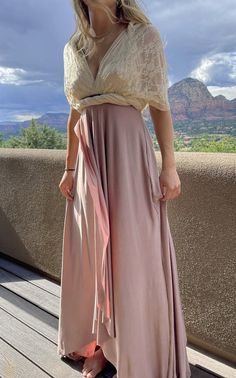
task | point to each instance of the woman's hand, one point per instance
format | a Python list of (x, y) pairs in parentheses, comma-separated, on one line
[(170, 184), (66, 185)]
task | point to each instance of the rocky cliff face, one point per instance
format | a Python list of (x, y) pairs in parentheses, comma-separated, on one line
[(191, 100)]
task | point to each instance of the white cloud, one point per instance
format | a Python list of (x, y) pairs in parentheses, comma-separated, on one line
[(228, 92), (218, 69), (211, 66), (26, 117), (202, 72), (15, 76), (200, 37)]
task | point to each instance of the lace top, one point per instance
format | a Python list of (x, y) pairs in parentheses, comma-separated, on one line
[(133, 71)]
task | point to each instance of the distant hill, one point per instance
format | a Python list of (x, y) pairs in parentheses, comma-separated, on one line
[(56, 120), (189, 99)]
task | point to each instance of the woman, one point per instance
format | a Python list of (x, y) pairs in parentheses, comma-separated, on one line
[(120, 298)]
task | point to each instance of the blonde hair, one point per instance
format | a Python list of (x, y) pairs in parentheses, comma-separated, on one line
[(126, 11)]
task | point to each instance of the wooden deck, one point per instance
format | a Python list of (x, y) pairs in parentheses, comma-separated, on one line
[(29, 305)]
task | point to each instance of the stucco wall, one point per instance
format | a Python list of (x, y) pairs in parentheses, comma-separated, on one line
[(202, 221)]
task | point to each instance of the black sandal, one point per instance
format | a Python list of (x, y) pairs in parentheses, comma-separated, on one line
[(73, 356)]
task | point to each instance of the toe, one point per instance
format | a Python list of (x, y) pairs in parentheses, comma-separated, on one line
[(92, 374)]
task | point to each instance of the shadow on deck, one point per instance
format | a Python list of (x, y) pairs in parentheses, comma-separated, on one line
[(29, 305)]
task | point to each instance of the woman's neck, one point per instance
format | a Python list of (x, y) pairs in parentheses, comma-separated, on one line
[(100, 22)]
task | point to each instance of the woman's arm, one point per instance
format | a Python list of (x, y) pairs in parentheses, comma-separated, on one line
[(169, 179), (162, 122), (72, 139), (67, 180)]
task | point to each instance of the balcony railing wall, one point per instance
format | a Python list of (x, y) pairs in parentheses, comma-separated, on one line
[(202, 221)]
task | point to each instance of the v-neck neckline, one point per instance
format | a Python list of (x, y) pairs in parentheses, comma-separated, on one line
[(110, 48)]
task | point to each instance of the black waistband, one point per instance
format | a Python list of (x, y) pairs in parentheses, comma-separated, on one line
[(96, 94)]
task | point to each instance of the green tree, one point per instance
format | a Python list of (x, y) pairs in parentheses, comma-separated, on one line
[(207, 143), (37, 136), (203, 143), (1, 139)]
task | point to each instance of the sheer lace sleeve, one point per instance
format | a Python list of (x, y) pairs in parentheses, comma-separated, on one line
[(154, 75), (70, 71)]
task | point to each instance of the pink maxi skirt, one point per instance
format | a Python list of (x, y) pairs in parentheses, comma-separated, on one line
[(119, 280)]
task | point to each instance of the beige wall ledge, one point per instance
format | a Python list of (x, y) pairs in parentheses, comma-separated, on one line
[(202, 221)]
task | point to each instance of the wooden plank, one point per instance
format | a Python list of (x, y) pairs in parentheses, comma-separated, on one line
[(17, 279), (32, 293), (41, 351), (31, 276), (29, 314), (13, 364), (35, 347), (217, 367)]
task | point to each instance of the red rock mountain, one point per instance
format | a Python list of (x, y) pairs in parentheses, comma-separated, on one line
[(191, 100)]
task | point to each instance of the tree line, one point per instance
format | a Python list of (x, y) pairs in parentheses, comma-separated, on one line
[(43, 136)]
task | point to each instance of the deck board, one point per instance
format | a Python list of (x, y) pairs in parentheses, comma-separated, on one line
[(29, 309), (29, 314), (14, 364), (30, 276), (35, 347), (25, 289)]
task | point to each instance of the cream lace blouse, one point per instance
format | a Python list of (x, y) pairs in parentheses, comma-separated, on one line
[(133, 71)]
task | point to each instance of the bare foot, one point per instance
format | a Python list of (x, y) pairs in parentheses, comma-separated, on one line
[(94, 364), (74, 356)]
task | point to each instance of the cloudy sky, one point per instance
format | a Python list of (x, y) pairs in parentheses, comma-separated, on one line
[(200, 42)]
